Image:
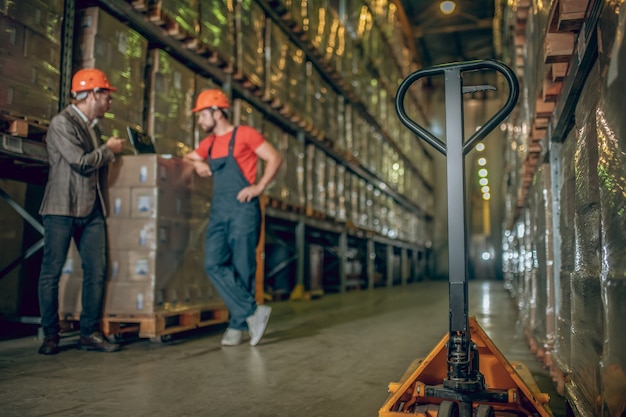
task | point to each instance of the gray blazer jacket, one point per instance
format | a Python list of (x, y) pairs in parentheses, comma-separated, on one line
[(78, 173)]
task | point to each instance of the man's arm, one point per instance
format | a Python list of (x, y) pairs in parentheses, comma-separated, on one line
[(199, 164), (272, 159)]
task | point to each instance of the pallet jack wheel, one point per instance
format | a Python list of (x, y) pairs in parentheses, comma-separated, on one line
[(484, 410), (166, 338), (448, 409)]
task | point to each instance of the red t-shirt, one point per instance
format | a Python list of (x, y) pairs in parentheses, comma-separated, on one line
[(247, 142)]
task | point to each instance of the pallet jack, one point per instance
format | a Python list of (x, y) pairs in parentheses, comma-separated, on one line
[(465, 375)]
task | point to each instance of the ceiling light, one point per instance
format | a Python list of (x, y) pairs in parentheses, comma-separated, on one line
[(480, 147), (486, 196), (483, 181), (447, 7), (482, 172), (482, 162), (485, 189)]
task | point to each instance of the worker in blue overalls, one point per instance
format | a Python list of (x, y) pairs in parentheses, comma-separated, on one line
[(230, 154)]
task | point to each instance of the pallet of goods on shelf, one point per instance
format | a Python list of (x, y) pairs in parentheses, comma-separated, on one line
[(287, 188), (249, 45), (171, 94), (30, 61), (105, 43), (217, 32)]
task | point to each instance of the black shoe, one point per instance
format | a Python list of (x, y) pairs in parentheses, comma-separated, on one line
[(50, 345), (97, 342)]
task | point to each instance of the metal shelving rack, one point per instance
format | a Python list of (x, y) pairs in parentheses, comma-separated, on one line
[(34, 153)]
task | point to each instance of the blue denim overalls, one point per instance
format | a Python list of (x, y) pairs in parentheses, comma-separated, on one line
[(231, 238)]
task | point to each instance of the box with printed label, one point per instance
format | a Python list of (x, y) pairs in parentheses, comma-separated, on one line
[(145, 171), (132, 298), (119, 202), (131, 234)]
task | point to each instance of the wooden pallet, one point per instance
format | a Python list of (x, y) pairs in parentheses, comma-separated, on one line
[(23, 126), (282, 205), (158, 325)]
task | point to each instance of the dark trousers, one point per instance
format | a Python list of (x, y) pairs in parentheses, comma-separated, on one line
[(89, 234)]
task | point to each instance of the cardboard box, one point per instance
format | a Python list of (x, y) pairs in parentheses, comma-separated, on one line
[(119, 202), (132, 298), (145, 171), (134, 234)]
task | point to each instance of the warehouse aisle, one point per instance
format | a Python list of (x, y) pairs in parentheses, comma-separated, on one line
[(328, 357)]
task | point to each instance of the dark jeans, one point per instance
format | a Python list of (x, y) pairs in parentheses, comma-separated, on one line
[(89, 234)]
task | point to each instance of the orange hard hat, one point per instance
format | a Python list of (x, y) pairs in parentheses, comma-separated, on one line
[(211, 99), (90, 79)]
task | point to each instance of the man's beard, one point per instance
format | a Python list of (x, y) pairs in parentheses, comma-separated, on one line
[(209, 129)]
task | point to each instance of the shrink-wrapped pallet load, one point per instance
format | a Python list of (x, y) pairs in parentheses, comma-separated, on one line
[(171, 97), (30, 58), (159, 211), (109, 45), (250, 38), (217, 30)]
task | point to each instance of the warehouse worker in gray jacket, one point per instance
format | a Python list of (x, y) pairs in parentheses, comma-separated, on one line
[(74, 206)]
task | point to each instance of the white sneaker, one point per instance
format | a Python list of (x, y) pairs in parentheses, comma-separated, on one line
[(232, 337), (257, 323)]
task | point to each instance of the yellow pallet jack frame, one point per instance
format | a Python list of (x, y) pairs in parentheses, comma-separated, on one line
[(465, 375)]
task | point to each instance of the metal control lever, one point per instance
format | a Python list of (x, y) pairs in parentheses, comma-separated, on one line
[(463, 374), (477, 88)]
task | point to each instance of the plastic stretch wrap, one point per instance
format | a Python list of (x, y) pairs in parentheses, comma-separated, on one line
[(250, 38), (318, 19), (158, 215), (30, 69), (586, 302), (377, 214), (172, 93), (611, 138), (44, 17), (536, 325), (183, 12), (278, 52), (292, 184), (331, 187), (534, 66), (341, 193), (217, 27), (562, 352), (273, 134), (320, 193), (245, 114)]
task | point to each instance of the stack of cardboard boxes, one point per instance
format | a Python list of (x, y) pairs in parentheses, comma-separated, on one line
[(109, 45), (30, 60), (157, 217)]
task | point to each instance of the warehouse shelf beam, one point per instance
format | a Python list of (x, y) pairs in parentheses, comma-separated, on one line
[(67, 42), (33, 222)]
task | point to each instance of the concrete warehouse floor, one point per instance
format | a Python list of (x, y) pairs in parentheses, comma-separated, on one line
[(328, 357)]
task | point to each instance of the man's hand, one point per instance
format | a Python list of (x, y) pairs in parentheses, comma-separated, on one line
[(202, 168), (115, 144), (248, 193)]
